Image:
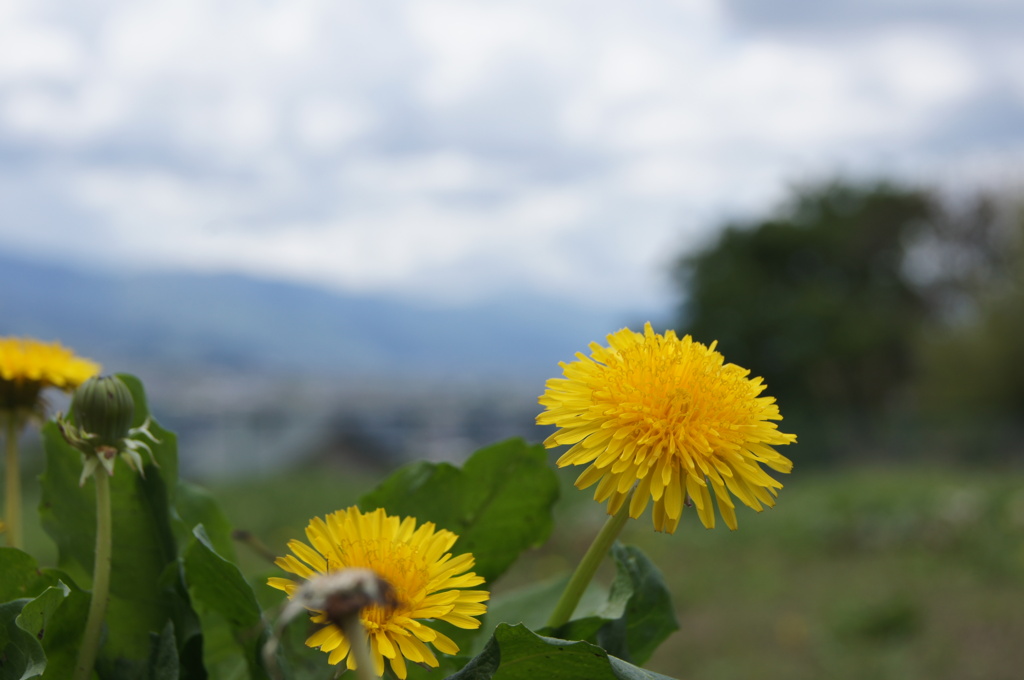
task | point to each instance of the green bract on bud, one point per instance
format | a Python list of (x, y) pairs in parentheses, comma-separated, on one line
[(103, 407)]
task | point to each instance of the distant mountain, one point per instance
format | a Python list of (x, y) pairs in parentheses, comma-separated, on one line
[(192, 321)]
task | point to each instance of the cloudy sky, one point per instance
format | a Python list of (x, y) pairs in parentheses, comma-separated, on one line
[(459, 149)]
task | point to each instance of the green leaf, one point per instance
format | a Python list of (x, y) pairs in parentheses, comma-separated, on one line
[(649, 617), (20, 576), (638, 614), (36, 616), (528, 605), (499, 503), (63, 634), (531, 605), (446, 666), (23, 624), (195, 505), (163, 657), (21, 653), (517, 653), (145, 587), (218, 587)]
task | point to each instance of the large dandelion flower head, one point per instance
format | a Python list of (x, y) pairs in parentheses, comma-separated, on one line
[(427, 583), (29, 366), (667, 416)]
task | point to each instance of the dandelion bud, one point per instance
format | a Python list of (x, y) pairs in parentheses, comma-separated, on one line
[(104, 407)]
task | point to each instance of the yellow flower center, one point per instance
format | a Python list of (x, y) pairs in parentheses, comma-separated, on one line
[(400, 564)]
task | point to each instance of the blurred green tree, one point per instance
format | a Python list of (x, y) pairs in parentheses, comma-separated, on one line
[(973, 360), (816, 298)]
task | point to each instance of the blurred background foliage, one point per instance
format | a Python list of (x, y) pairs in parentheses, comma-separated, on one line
[(876, 313)]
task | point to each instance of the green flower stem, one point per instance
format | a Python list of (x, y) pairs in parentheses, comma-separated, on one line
[(100, 578), (12, 511), (353, 628), (588, 567)]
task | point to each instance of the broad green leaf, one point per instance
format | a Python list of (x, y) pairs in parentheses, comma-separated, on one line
[(20, 576), (517, 653), (145, 588), (163, 657), (35, 618), (219, 590), (638, 614), (21, 655), (499, 503), (63, 635), (447, 665), (23, 624), (531, 605), (195, 505), (648, 617)]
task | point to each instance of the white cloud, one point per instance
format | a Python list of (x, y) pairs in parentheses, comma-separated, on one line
[(442, 172), (454, 149), (325, 123), (36, 52)]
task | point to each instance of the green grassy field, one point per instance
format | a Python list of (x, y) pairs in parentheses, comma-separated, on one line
[(874, 573), (867, 574)]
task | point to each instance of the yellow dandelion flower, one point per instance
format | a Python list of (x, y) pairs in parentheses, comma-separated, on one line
[(28, 366), (668, 416), (427, 582)]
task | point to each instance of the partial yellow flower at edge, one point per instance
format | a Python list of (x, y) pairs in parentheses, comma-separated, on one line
[(428, 583), (28, 366), (669, 416)]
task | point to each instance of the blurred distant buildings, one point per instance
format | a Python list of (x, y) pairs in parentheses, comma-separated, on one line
[(241, 424)]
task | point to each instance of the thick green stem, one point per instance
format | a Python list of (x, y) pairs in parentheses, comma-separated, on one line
[(12, 510), (356, 634), (588, 567), (100, 578)]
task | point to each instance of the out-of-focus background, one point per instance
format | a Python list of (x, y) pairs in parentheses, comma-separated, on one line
[(335, 236)]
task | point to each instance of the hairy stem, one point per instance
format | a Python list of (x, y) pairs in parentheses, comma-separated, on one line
[(356, 634), (587, 567), (12, 497), (100, 578)]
